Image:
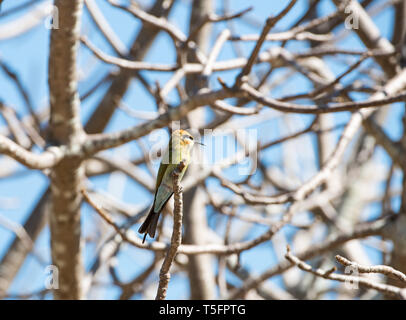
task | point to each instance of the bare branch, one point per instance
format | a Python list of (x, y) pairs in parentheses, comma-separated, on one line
[(66, 129), (270, 23), (176, 239), (386, 270), (329, 274), (161, 23), (45, 160)]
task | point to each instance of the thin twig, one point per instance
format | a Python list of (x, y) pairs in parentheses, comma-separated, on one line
[(329, 274), (386, 270), (270, 23)]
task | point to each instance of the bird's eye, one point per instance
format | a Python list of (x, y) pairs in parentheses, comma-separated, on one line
[(188, 137)]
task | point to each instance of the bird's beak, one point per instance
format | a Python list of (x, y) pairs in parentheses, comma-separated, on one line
[(198, 142)]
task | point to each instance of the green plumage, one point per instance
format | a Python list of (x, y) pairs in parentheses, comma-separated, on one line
[(178, 150)]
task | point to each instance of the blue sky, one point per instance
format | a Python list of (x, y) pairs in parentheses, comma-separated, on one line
[(27, 55)]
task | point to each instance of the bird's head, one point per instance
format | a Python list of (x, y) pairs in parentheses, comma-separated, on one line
[(181, 143), (184, 138)]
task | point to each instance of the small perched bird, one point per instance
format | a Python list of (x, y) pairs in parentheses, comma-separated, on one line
[(179, 149)]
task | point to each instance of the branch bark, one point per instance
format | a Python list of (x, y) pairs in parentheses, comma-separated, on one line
[(66, 129), (176, 239)]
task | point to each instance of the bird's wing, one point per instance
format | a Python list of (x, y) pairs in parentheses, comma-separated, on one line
[(165, 161), (159, 177), (161, 172), (162, 196)]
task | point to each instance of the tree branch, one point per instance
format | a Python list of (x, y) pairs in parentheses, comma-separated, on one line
[(66, 129), (45, 160), (176, 238), (329, 274), (386, 270)]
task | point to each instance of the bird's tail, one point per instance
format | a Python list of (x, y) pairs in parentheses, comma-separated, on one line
[(150, 223)]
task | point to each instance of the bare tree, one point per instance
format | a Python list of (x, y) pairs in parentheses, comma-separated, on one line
[(313, 202)]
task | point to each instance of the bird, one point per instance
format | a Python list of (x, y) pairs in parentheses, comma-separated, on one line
[(178, 150)]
